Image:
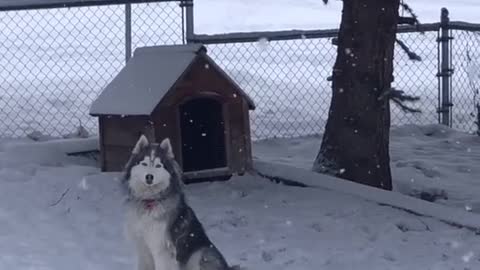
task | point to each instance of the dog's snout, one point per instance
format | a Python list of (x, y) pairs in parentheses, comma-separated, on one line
[(149, 179)]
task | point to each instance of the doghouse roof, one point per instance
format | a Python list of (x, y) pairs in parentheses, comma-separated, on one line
[(147, 78)]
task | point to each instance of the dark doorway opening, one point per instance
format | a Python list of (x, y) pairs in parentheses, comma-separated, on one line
[(203, 135)]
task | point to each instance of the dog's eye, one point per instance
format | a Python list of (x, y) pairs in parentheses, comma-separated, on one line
[(158, 166), (143, 164)]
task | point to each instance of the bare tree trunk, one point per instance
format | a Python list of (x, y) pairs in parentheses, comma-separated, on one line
[(355, 145)]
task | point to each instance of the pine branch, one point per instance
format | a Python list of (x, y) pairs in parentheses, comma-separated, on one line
[(400, 98), (411, 55), (409, 10), (404, 107)]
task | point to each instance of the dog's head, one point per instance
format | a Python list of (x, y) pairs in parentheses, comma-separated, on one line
[(152, 172)]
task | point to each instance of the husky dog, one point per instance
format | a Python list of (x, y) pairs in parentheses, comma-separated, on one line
[(164, 229)]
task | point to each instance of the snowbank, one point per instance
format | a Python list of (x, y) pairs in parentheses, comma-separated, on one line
[(450, 215), (431, 160)]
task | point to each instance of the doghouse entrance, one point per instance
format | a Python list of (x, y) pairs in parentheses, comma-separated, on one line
[(203, 135)]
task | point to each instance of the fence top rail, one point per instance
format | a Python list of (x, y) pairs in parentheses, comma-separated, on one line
[(457, 25), (13, 5), (240, 37)]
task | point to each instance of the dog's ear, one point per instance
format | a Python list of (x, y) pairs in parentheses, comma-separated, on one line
[(141, 143), (167, 147)]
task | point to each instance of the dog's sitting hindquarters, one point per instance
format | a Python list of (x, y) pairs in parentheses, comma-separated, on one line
[(164, 229)]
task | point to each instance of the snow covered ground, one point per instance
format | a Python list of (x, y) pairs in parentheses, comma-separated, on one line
[(59, 212), (425, 160)]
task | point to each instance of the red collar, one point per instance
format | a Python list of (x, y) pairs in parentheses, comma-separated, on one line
[(149, 204)]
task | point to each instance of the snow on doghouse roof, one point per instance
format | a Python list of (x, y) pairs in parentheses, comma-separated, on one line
[(147, 77)]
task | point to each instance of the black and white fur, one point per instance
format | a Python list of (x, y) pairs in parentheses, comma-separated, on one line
[(164, 229)]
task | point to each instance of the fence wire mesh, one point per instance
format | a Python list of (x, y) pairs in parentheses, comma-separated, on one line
[(56, 61), (288, 81), (466, 79), (417, 78)]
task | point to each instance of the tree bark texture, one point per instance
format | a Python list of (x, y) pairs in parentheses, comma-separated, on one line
[(355, 145)]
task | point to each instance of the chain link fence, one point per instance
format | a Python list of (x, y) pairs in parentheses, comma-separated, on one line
[(288, 80), (56, 61), (466, 79), (287, 77)]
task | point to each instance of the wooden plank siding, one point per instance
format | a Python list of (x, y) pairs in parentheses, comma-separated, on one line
[(118, 136), (247, 139), (203, 80)]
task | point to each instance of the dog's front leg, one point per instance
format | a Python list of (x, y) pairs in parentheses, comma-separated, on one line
[(164, 257), (144, 257)]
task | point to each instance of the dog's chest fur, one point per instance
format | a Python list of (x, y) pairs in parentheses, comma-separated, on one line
[(148, 228)]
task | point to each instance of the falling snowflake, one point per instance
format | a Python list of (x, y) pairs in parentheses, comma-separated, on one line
[(342, 170), (234, 95), (469, 150), (263, 43), (204, 134), (303, 36), (207, 66), (341, 90), (467, 257), (412, 180), (289, 223), (468, 208), (455, 244), (83, 184), (348, 51)]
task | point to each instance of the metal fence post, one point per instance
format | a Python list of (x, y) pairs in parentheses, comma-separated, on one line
[(189, 24), (128, 32), (445, 70)]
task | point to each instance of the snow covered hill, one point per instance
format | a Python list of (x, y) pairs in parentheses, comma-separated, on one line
[(219, 16)]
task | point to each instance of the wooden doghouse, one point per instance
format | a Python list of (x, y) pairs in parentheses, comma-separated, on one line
[(184, 95)]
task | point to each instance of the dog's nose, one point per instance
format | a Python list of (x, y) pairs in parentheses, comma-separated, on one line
[(149, 179)]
